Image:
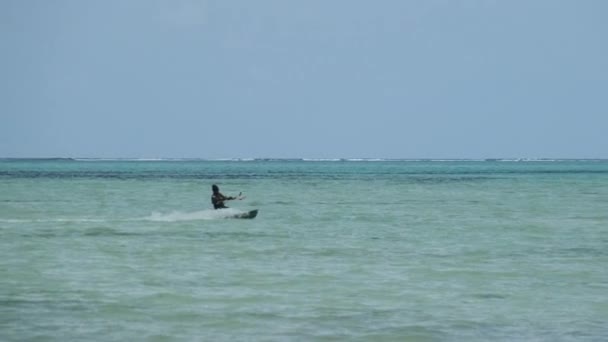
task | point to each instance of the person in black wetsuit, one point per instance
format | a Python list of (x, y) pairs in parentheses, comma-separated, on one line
[(217, 199)]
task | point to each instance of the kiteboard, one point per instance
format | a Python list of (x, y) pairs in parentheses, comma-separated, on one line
[(246, 215)]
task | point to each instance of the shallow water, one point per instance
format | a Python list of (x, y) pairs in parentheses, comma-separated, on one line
[(357, 250)]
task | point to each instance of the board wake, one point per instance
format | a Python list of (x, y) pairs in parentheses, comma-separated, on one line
[(209, 214)]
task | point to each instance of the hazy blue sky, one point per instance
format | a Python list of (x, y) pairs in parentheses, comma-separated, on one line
[(307, 78)]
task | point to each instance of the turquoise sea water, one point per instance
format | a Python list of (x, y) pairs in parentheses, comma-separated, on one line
[(341, 250)]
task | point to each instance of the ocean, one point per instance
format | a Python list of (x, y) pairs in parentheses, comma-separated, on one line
[(356, 250)]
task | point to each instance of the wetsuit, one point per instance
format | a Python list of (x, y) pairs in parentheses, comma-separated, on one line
[(218, 200)]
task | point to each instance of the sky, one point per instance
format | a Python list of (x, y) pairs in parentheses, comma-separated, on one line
[(304, 79)]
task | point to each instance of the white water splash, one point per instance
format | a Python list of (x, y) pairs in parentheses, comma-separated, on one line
[(193, 216)]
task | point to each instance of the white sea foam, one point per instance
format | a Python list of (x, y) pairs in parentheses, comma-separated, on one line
[(126, 159), (176, 216), (321, 159)]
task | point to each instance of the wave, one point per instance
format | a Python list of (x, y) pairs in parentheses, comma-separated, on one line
[(117, 159)]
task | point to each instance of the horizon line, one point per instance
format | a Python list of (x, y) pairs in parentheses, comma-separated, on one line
[(245, 159)]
